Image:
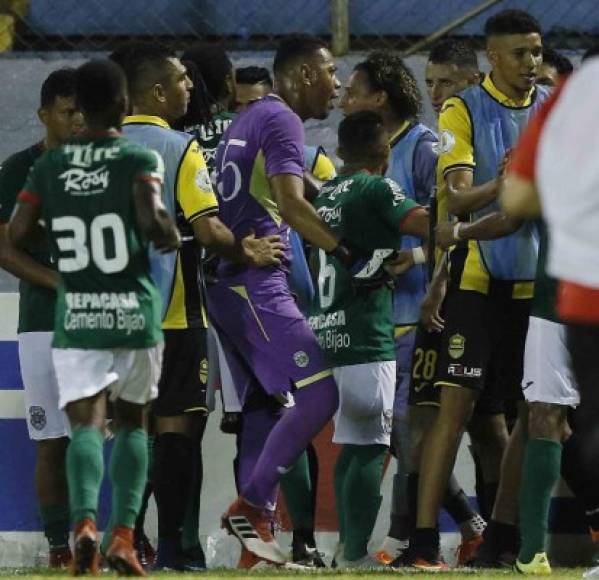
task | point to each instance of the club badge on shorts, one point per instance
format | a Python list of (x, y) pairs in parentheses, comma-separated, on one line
[(456, 346), (37, 417)]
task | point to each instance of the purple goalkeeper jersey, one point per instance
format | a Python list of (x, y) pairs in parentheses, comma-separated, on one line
[(265, 140)]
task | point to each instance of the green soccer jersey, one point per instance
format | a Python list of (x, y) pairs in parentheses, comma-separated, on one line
[(106, 298), (36, 303), (209, 136), (543, 302), (357, 327)]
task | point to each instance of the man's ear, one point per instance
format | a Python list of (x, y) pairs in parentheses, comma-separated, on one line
[(42, 115), (159, 93), (308, 74)]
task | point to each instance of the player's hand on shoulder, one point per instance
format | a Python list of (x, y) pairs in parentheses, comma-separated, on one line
[(262, 252)]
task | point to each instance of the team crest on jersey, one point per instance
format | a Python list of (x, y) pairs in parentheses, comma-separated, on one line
[(456, 346), (446, 141), (37, 417), (301, 359), (204, 371), (203, 179)]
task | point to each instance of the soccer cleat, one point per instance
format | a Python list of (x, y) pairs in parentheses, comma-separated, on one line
[(169, 555), (252, 527), (467, 550), (145, 551), (305, 553), (366, 562), (85, 558), (430, 565), (121, 555), (592, 573), (60, 557), (538, 566), (391, 550), (193, 559)]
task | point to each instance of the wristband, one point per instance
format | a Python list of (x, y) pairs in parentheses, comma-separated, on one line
[(418, 255), (456, 231)]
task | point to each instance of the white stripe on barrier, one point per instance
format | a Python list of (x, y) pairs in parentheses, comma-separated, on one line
[(12, 405), (9, 308)]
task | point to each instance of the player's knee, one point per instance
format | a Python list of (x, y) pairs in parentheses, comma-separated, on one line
[(52, 452), (546, 421)]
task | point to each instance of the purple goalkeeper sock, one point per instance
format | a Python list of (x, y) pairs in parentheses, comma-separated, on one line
[(314, 406), (257, 425)]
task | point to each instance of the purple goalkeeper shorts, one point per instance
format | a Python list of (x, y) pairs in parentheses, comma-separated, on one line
[(264, 335)]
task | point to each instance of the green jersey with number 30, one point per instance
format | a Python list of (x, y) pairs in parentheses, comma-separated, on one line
[(357, 327), (106, 298)]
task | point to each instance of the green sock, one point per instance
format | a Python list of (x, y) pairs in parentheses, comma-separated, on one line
[(341, 467), (56, 525), (361, 496), (297, 489), (85, 469), (540, 473), (128, 475)]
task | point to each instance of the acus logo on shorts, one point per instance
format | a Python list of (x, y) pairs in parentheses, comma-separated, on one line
[(204, 371), (301, 359), (37, 417), (387, 421), (456, 346), (457, 370)]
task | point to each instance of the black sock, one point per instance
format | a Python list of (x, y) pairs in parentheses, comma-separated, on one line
[(504, 537), (412, 492), (489, 493), (141, 517), (584, 483), (479, 489), (456, 503), (173, 466)]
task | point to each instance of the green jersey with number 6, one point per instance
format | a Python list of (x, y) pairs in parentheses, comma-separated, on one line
[(357, 327), (106, 298)]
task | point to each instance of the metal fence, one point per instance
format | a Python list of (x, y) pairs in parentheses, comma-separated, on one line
[(82, 25)]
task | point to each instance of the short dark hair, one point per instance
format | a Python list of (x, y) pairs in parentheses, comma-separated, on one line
[(295, 47), (359, 134), (139, 59), (386, 71), (511, 22), (60, 83), (454, 51), (98, 85), (214, 66), (253, 75), (553, 58)]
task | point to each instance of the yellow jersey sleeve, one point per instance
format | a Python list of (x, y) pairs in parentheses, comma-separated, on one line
[(194, 188), (323, 168), (455, 137)]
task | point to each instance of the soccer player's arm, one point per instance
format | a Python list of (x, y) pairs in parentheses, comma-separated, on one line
[(152, 216), (200, 207), (283, 142), (456, 161), (399, 212), (16, 234)]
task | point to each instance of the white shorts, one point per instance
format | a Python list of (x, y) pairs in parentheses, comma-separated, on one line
[(366, 393), (45, 419), (219, 374), (129, 374), (548, 374)]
